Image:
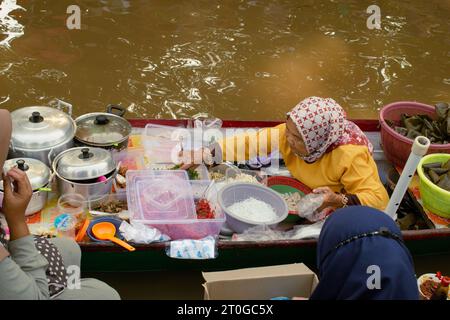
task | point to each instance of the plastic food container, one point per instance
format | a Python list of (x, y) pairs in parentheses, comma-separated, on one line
[(186, 226), (201, 170), (133, 159), (95, 201), (397, 147), (163, 143), (237, 192), (232, 174), (434, 198), (160, 195), (422, 279), (195, 228)]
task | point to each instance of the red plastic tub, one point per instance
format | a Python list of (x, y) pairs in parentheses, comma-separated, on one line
[(397, 147)]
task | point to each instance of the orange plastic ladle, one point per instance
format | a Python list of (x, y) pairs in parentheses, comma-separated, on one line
[(107, 231)]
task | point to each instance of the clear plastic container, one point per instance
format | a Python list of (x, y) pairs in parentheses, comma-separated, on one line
[(96, 201), (163, 143), (201, 170), (133, 159), (194, 228), (72, 203), (238, 175), (159, 195)]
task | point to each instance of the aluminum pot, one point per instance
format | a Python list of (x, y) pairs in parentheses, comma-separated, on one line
[(39, 175), (104, 129), (41, 133), (86, 171)]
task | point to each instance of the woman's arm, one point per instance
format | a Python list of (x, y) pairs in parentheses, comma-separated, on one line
[(22, 276), (5, 135), (361, 179), (247, 145)]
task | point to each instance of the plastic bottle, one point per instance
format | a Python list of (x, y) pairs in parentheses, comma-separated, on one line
[(441, 293)]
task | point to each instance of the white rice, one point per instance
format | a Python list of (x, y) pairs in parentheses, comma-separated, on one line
[(254, 210)]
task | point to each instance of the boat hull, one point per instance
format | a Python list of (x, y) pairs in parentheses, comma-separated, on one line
[(233, 255)]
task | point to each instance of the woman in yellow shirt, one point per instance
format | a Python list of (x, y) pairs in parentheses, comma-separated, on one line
[(321, 148)]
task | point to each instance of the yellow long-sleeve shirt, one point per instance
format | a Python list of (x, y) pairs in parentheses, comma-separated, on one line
[(349, 167)]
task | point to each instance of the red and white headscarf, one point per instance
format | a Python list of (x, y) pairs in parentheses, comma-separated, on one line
[(323, 126)]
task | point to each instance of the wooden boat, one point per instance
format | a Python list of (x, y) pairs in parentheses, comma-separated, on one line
[(232, 255)]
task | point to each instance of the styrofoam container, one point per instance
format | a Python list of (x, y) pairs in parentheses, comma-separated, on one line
[(236, 192)]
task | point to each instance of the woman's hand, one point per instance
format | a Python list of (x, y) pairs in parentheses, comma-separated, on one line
[(16, 200), (331, 199), (193, 158)]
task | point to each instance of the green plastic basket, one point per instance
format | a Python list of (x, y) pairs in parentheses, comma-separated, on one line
[(434, 198)]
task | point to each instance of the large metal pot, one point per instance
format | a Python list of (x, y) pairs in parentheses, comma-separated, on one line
[(86, 171), (104, 129), (38, 174), (41, 133)]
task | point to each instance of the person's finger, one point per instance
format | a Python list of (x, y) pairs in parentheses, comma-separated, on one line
[(21, 179), (6, 184), (322, 190)]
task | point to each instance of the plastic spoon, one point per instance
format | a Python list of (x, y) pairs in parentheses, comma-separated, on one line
[(107, 231)]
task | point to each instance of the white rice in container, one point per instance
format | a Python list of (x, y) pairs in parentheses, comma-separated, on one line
[(254, 210)]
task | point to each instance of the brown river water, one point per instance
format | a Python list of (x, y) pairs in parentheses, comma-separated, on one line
[(243, 60)]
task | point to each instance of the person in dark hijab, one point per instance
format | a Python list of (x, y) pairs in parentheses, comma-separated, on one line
[(361, 255)]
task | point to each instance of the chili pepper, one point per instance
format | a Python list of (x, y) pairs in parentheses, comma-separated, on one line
[(204, 210)]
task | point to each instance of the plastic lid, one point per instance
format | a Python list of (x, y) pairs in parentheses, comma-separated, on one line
[(38, 173), (40, 127), (84, 163), (102, 128), (160, 195)]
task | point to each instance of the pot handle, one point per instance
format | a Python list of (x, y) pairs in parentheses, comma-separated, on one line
[(49, 157), (62, 104), (111, 107)]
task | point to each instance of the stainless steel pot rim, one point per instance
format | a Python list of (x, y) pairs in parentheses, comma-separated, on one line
[(41, 127), (38, 172), (112, 129), (83, 163), (87, 184)]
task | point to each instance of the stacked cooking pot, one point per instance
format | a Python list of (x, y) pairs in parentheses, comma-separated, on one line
[(45, 137)]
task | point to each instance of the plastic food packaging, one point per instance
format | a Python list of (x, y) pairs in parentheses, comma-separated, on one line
[(309, 205), (264, 233), (139, 233), (202, 249)]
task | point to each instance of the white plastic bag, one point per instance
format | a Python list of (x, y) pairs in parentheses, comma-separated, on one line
[(309, 205), (140, 233)]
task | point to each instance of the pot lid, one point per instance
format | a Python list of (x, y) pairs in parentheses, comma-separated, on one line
[(38, 173), (102, 128), (40, 127), (84, 163)]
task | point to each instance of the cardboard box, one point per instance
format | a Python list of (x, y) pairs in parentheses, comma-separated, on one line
[(263, 283)]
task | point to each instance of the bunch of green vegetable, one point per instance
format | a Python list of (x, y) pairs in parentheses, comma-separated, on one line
[(192, 173)]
